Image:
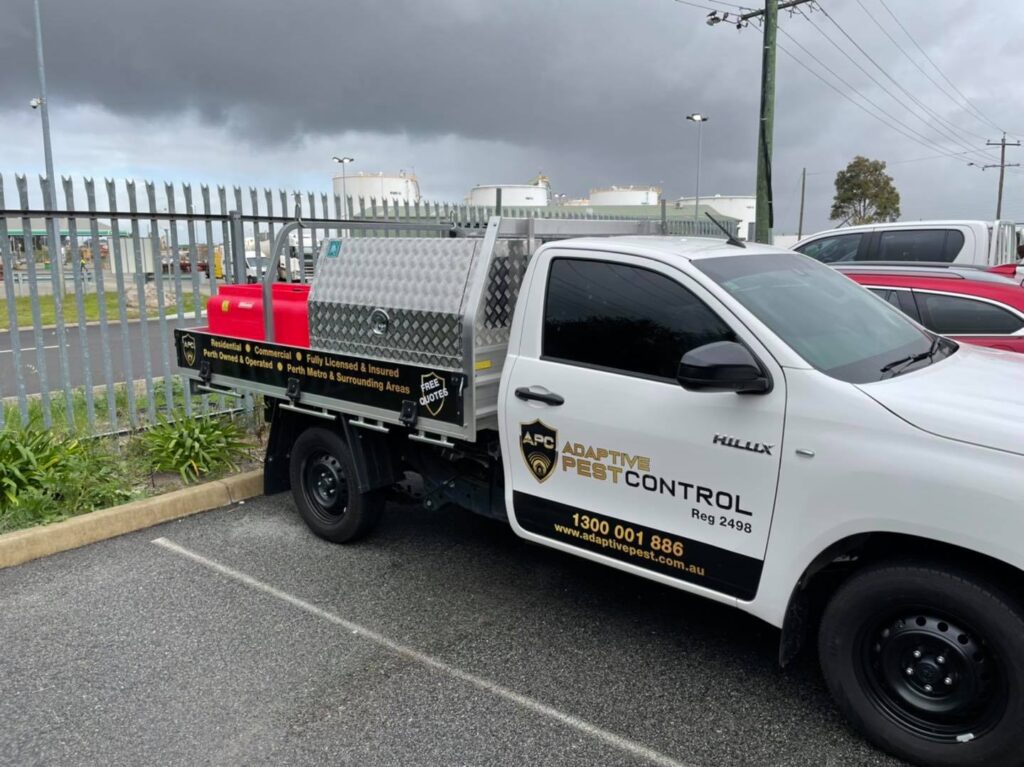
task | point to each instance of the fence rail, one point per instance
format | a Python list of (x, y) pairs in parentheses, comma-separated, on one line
[(85, 324)]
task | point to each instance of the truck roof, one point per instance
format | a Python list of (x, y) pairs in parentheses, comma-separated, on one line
[(688, 248)]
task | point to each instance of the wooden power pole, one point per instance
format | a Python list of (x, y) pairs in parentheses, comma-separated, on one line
[(803, 190), (1002, 144), (769, 17)]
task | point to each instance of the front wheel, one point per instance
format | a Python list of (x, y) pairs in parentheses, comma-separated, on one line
[(323, 478), (928, 664)]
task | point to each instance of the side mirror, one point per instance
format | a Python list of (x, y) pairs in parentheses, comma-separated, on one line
[(723, 366)]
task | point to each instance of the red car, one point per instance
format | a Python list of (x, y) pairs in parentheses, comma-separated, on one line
[(975, 306)]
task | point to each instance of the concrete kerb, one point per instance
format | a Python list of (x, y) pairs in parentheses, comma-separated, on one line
[(23, 546)]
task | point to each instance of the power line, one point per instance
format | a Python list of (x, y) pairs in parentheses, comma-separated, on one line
[(917, 45), (919, 67), (698, 5), (905, 130), (946, 133)]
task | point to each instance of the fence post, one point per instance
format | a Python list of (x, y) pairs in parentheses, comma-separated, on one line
[(664, 217), (237, 247)]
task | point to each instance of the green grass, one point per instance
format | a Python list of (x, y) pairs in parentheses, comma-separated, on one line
[(48, 312)]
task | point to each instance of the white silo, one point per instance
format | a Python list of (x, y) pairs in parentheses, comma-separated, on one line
[(536, 194), (396, 189), (625, 195)]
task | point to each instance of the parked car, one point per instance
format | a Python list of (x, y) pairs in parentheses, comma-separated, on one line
[(970, 305), (983, 243), (255, 266)]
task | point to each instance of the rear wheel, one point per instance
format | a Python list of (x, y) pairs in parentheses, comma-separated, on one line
[(323, 479), (928, 664)]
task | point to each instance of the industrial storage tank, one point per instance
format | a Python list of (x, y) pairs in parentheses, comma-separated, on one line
[(512, 195), (739, 206), (395, 188), (536, 194), (625, 195)]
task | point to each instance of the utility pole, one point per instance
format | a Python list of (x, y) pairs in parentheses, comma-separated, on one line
[(764, 213), (55, 250), (803, 190), (1002, 144)]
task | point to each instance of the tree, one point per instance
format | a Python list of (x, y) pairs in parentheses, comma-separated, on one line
[(865, 194)]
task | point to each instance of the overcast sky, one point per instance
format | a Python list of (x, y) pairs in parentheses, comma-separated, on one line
[(465, 92)]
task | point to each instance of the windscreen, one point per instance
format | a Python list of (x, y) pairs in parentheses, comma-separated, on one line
[(837, 326)]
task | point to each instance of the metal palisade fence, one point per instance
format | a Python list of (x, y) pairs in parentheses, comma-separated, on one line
[(86, 323)]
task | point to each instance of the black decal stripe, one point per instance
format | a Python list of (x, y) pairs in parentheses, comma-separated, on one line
[(234, 365), (724, 571)]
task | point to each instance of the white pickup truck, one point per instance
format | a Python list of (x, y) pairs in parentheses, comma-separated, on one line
[(742, 423), (972, 243)]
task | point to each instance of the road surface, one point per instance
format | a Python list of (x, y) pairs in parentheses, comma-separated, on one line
[(118, 337), (238, 638)]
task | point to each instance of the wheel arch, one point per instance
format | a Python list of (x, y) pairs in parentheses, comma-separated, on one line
[(838, 561), (372, 452)]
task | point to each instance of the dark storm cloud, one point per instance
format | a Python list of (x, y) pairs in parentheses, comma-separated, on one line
[(613, 77), (596, 89)]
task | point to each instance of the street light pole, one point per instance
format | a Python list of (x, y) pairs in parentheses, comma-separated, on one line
[(343, 161), (51, 191), (700, 119)]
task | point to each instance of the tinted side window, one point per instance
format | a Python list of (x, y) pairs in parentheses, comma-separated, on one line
[(952, 315), (833, 250), (888, 295), (624, 318), (941, 245)]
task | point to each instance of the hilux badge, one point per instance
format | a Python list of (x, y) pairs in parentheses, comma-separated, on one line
[(746, 444), (539, 445)]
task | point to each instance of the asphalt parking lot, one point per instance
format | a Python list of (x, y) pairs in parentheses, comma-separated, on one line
[(240, 639)]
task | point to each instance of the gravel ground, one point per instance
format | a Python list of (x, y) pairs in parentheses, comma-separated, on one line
[(440, 640)]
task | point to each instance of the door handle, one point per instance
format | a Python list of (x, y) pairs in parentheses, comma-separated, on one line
[(547, 398)]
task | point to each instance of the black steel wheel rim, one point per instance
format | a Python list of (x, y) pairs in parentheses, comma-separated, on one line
[(325, 486), (932, 674)]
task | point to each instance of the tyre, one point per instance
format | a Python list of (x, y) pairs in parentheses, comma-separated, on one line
[(928, 664), (322, 474)]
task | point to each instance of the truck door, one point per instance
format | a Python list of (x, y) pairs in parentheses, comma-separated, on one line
[(607, 456)]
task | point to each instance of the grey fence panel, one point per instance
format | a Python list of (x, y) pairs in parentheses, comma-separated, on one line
[(193, 252), (7, 261), (101, 300), (56, 254), (122, 306), (196, 253), (140, 291), (175, 267), (77, 268), (33, 288), (161, 304)]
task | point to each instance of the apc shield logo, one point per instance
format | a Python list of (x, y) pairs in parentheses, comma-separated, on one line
[(539, 443), (188, 349)]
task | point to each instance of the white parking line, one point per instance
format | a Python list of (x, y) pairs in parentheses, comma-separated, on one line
[(599, 733), (26, 349)]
